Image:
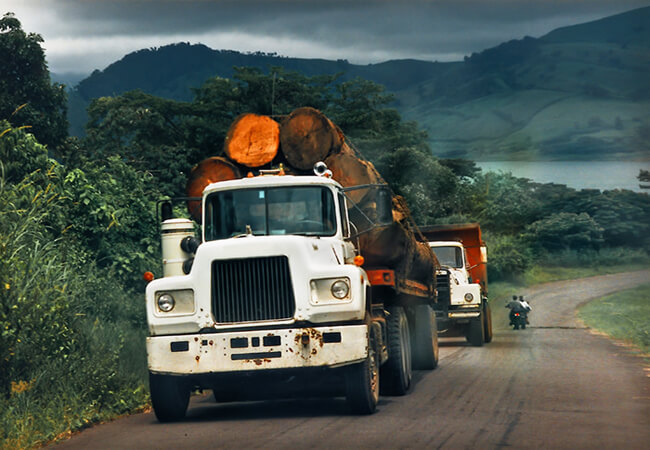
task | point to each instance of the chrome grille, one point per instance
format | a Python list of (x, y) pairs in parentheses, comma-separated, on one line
[(442, 286), (252, 289)]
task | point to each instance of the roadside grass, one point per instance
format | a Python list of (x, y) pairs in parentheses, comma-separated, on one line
[(624, 315), (546, 274)]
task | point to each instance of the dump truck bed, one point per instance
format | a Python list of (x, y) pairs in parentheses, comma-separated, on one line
[(469, 234)]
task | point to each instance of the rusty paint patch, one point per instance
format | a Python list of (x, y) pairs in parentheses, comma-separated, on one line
[(211, 342), (196, 339), (314, 351), (197, 358)]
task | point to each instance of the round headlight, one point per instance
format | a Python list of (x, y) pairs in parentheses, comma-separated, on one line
[(469, 297), (340, 289), (166, 303)]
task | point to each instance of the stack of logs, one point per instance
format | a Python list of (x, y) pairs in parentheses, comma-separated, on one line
[(298, 141)]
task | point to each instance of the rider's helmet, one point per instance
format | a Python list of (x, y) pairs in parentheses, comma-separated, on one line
[(514, 297)]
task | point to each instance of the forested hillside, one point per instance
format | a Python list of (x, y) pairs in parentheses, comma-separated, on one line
[(578, 93)]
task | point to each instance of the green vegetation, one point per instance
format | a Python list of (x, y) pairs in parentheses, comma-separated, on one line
[(623, 315), (77, 232), (27, 94)]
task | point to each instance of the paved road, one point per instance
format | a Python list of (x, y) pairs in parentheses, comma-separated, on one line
[(553, 385)]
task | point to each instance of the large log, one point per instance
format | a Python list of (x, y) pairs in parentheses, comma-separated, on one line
[(394, 246), (252, 140), (208, 171), (350, 170), (307, 136)]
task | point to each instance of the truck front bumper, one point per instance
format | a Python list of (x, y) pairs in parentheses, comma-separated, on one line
[(464, 314), (236, 351)]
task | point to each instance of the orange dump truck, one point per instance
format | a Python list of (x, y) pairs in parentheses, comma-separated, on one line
[(462, 284)]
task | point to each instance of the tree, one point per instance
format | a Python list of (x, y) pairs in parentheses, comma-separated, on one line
[(644, 177), (565, 231), (27, 97), (167, 137)]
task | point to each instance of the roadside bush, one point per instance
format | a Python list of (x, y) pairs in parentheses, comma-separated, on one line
[(564, 231), (508, 257)]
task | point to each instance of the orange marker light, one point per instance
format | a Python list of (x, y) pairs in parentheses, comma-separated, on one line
[(358, 260), (148, 276)]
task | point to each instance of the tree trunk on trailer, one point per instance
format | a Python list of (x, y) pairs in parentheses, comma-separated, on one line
[(308, 136), (208, 171), (252, 140)]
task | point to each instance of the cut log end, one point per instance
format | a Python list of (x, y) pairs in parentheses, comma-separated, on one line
[(206, 172), (252, 140), (307, 136)]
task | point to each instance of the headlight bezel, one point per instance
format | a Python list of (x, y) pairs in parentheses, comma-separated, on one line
[(322, 290), (183, 302)]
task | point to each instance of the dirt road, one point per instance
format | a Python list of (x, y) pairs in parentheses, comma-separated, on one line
[(553, 385)]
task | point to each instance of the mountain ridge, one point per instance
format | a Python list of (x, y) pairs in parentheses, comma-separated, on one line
[(578, 92)]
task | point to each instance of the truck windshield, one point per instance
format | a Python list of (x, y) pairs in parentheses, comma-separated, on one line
[(303, 210), (449, 256)]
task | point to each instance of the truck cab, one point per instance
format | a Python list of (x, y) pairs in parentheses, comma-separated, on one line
[(271, 301)]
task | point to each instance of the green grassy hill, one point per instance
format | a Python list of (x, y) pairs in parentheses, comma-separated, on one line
[(579, 93)]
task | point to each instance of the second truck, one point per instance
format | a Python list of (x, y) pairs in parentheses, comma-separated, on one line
[(463, 307)]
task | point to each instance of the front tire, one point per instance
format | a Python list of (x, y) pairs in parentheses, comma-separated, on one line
[(487, 323), (169, 397), (475, 332), (397, 371), (425, 339), (362, 380)]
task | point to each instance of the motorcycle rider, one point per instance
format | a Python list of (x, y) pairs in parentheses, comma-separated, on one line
[(517, 305), (526, 306)]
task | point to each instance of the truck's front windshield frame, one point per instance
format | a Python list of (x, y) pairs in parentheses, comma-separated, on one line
[(264, 211)]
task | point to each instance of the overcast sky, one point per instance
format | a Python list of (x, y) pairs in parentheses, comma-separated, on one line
[(83, 35)]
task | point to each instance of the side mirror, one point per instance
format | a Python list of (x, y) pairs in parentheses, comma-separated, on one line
[(166, 211), (384, 207)]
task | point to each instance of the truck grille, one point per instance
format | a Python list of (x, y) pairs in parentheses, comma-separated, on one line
[(252, 289), (442, 286)]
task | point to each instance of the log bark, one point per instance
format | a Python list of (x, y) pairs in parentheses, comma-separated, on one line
[(208, 171), (252, 140), (349, 170), (308, 136)]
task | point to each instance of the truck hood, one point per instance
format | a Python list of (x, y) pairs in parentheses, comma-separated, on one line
[(309, 258)]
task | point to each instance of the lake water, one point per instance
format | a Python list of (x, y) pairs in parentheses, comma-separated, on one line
[(603, 175)]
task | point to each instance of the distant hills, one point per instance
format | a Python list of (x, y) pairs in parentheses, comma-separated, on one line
[(578, 93)]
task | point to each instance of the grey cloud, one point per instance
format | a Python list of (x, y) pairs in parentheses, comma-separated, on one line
[(408, 28)]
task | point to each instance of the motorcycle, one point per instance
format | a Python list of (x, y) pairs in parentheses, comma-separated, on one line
[(519, 320)]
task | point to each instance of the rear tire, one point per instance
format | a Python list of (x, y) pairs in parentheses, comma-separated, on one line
[(425, 339), (397, 371), (487, 323), (169, 397), (362, 380), (475, 332)]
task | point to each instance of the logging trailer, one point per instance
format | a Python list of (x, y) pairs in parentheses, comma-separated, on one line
[(274, 299)]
